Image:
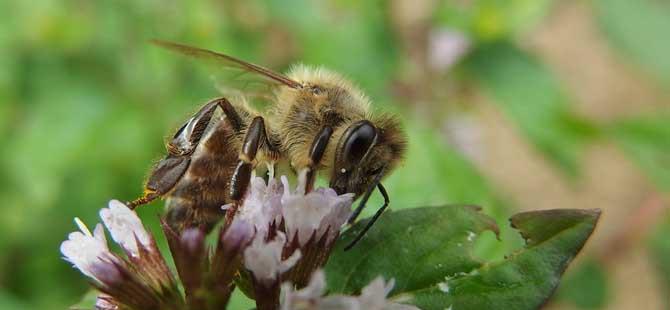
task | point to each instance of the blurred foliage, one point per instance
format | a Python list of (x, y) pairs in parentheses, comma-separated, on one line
[(587, 286), (647, 141), (660, 252), (85, 103), (534, 101), (636, 28)]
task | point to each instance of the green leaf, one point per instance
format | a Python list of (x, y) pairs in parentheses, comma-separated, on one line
[(428, 251), (639, 29), (87, 302), (418, 240), (647, 141), (528, 93)]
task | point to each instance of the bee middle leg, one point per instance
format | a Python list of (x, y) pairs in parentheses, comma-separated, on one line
[(256, 136)]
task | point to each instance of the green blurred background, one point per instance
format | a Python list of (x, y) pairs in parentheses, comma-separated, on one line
[(511, 104)]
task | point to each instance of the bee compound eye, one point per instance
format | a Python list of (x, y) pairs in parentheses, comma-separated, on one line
[(358, 143)]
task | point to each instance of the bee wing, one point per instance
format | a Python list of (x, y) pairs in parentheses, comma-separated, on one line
[(244, 77)]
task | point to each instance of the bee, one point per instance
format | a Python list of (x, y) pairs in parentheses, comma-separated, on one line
[(317, 122)]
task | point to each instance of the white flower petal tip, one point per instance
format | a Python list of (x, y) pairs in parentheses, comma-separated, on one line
[(373, 296), (125, 227), (262, 206), (315, 213), (264, 259), (84, 250)]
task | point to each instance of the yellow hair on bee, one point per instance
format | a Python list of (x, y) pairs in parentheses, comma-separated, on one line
[(310, 75)]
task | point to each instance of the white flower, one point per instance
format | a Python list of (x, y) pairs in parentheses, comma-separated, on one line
[(306, 297), (264, 259), (317, 212), (125, 227), (263, 204), (373, 297), (84, 249)]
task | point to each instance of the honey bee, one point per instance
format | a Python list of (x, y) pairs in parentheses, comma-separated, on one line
[(317, 122)]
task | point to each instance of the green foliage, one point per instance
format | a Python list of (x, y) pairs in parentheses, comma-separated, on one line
[(85, 103), (636, 28), (586, 286), (532, 98), (446, 177), (436, 244), (647, 141), (87, 302), (491, 20)]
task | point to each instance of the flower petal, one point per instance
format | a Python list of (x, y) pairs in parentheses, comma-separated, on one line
[(317, 212), (264, 260), (84, 250), (125, 227)]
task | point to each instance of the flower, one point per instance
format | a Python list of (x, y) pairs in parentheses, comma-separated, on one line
[(276, 235), (84, 250), (315, 214), (311, 297), (309, 223), (262, 206), (125, 227), (143, 281), (264, 258)]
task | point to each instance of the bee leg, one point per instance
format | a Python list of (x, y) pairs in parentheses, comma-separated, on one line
[(163, 178), (374, 218), (231, 114), (252, 141), (315, 155), (376, 182), (148, 197)]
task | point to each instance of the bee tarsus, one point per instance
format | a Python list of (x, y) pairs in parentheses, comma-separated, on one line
[(374, 218)]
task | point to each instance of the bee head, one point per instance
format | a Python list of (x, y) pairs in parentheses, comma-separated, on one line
[(367, 151)]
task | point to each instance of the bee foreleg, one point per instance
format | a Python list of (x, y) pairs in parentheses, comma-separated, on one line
[(252, 141), (315, 155), (376, 182), (374, 218)]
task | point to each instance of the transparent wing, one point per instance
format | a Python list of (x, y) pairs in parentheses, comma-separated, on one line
[(240, 77)]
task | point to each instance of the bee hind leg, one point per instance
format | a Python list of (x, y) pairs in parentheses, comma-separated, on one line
[(148, 197), (163, 178)]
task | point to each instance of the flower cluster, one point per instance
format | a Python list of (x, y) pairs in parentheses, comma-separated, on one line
[(276, 241)]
